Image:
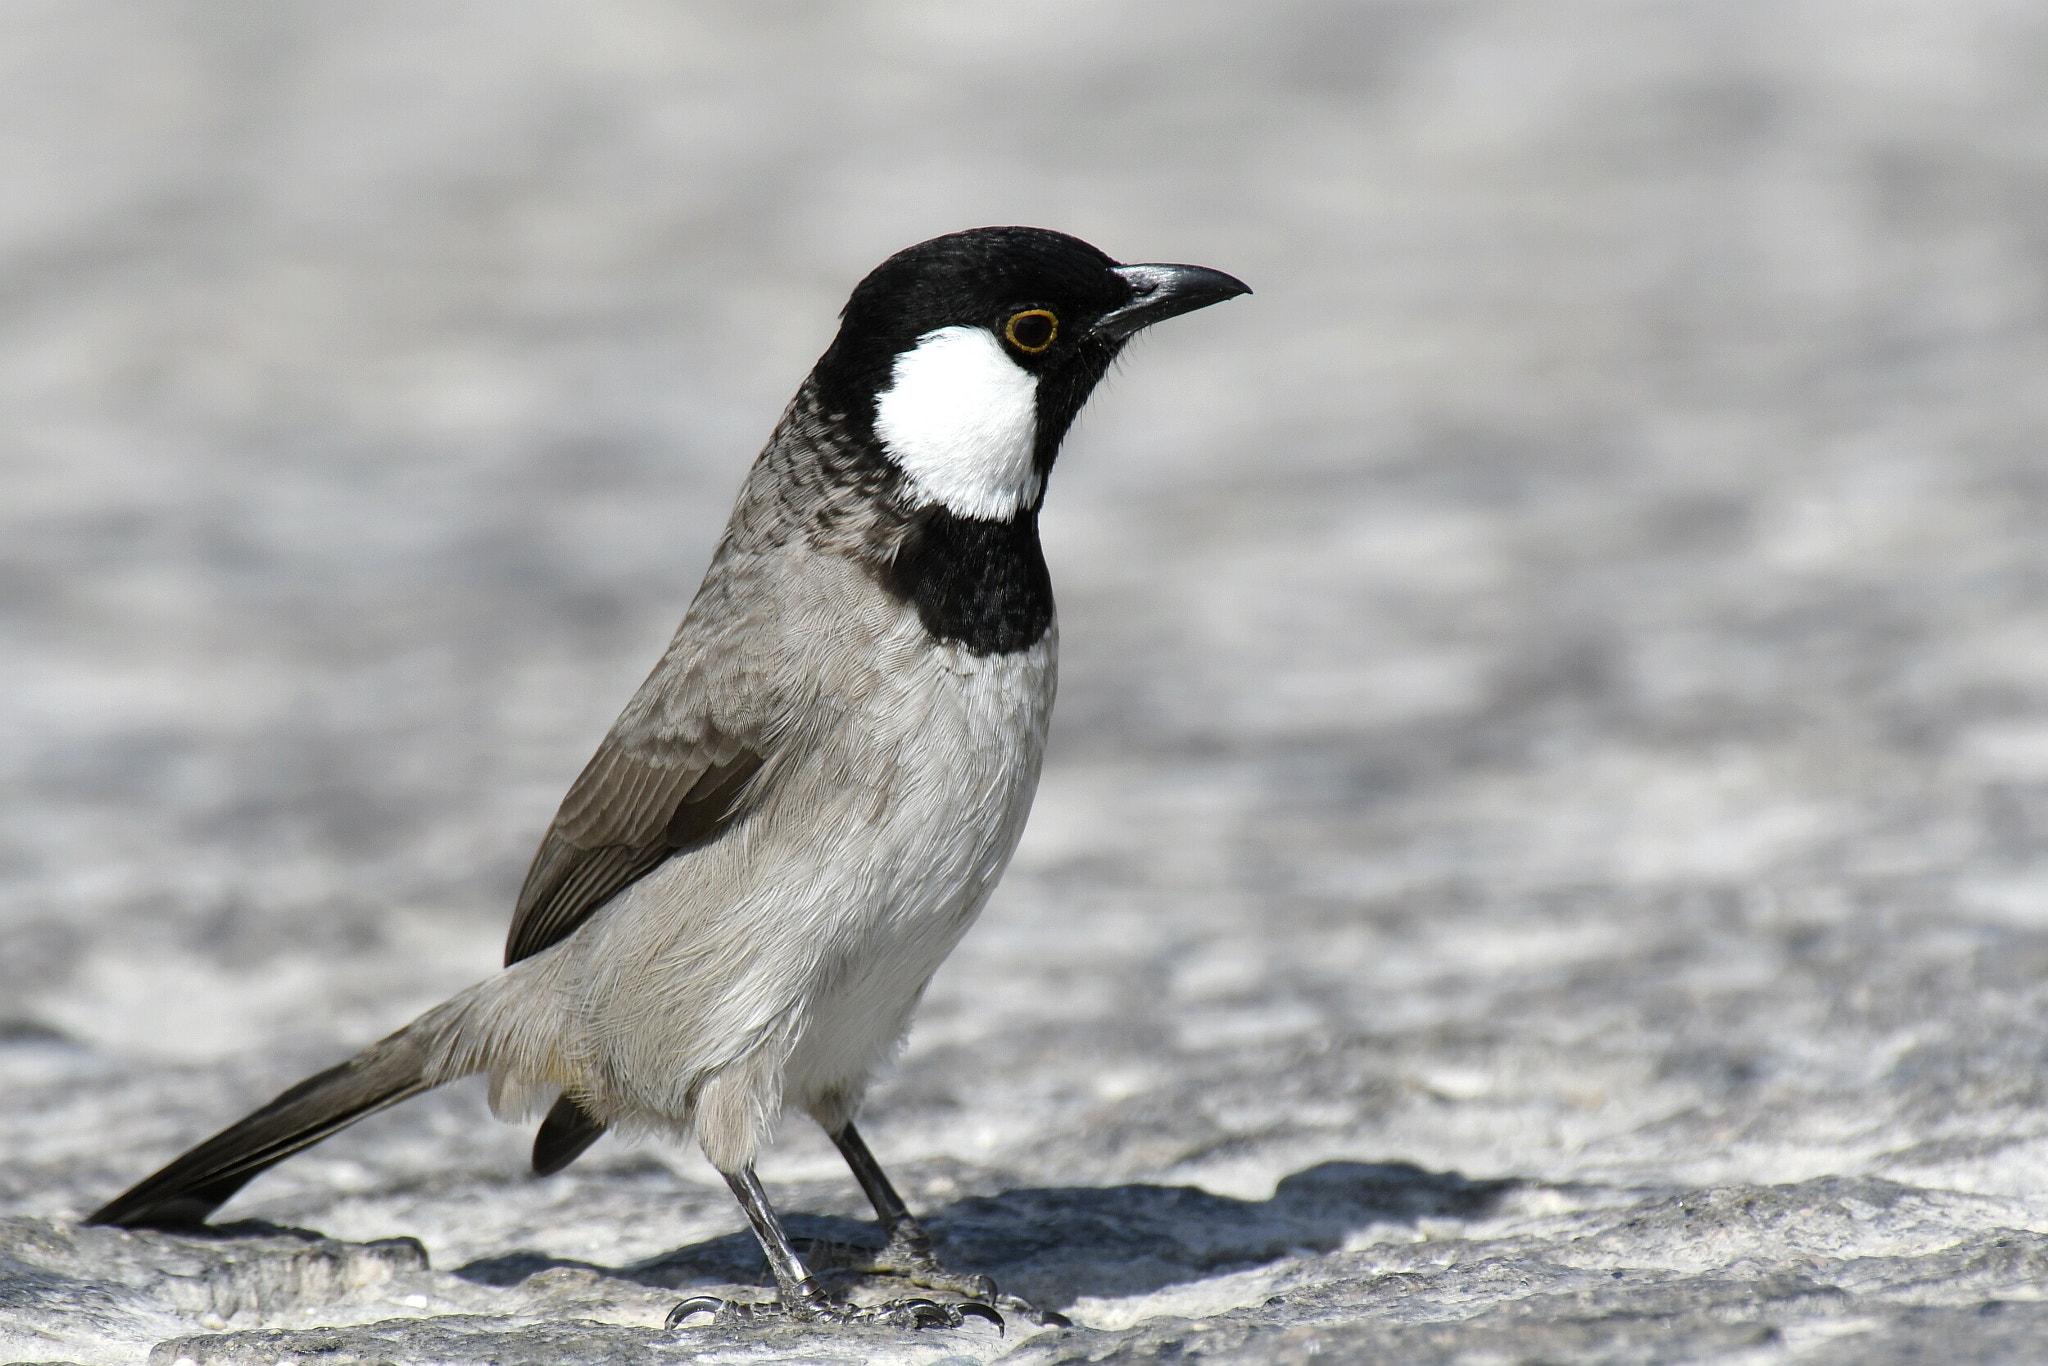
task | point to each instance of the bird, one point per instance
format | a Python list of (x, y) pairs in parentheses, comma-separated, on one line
[(801, 811)]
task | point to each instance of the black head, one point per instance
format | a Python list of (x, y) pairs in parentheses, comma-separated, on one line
[(960, 364), (1057, 308)]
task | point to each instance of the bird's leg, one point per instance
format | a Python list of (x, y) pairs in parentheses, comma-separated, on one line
[(908, 1251), (799, 1295), (908, 1254)]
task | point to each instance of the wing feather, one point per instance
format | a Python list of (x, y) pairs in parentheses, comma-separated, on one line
[(634, 806)]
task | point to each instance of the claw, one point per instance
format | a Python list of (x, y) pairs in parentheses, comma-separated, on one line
[(923, 1313), (696, 1304), (1044, 1318), (1023, 1308)]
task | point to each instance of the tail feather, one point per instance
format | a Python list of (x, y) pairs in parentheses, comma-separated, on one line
[(192, 1187), (563, 1136)]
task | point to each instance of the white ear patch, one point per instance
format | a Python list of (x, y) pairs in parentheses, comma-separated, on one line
[(961, 420)]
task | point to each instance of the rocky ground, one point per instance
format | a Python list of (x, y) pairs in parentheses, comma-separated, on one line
[(1542, 856)]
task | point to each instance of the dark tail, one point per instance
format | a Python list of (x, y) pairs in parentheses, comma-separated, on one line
[(184, 1193), (563, 1136)]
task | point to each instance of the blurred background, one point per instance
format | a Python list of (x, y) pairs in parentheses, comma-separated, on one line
[(1554, 686)]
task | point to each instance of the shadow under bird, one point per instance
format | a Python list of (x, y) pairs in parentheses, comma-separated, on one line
[(807, 803)]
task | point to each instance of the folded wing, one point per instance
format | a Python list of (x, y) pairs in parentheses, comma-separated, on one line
[(638, 802)]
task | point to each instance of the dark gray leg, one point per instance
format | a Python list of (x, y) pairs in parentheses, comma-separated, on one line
[(888, 1204), (908, 1252), (799, 1296), (909, 1246)]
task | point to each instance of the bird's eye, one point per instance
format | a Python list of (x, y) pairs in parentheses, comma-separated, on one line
[(1032, 330)]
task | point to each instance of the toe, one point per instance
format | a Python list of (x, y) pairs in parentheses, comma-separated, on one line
[(1023, 1308)]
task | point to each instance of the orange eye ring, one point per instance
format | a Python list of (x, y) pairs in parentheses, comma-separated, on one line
[(1033, 330)]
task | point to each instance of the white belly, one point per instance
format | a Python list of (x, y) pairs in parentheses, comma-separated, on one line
[(943, 850), (780, 964)]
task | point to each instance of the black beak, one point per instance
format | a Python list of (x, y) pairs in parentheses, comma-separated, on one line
[(1160, 292)]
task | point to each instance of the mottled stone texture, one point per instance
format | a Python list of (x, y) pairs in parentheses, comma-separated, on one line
[(1542, 856)]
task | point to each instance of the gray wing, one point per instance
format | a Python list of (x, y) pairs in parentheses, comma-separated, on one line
[(684, 760), (639, 801)]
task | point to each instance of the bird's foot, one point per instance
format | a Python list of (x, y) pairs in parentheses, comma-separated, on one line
[(906, 1313), (1023, 1308), (909, 1259)]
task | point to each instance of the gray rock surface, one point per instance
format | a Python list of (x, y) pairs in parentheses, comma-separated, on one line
[(1542, 853)]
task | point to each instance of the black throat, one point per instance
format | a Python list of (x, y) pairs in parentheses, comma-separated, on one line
[(979, 584)]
